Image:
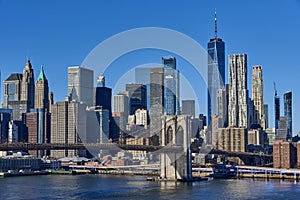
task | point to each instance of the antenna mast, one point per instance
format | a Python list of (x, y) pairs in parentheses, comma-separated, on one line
[(216, 35)]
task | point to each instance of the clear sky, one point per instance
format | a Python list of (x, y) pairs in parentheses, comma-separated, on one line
[(58, 34)]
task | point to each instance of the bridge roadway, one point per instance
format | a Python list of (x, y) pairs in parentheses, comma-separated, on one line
[(88, 146)]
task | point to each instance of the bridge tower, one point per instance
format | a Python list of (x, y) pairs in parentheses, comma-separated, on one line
[(176, 131)]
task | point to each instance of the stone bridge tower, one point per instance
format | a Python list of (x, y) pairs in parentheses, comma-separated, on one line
[(176, 132)]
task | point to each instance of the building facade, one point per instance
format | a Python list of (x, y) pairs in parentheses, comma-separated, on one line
[(288, 113), (81, 84), (258, 96), (232, 139), (137, 97), (188, 107), (171, 86), (238, 92), (156, 99), (215, 72)]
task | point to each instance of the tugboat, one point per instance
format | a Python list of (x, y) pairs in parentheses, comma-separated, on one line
[(222, 170)]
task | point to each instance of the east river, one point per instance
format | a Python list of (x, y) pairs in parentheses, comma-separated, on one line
[(136, 187)]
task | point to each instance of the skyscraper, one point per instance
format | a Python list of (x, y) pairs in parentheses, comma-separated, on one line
[(156, 99), (266, 114), (12, 94), (42, 91), (171, 86), (80, 84), (216, 71), (238, 92), (28, 89), (258, 96), (277, 108), (103, 100), (288, 113), (68, 126), (188, 107), (137, 97)]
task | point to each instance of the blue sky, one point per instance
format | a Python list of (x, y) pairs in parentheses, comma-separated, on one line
[(58, 34)]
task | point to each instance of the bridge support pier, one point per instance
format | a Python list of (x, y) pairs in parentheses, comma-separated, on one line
[(176, 132)]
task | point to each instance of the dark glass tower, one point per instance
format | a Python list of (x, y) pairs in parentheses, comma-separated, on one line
[(103, 99), (171, 85), (216, 71), (288, 112), (277, 109), (137, 97)]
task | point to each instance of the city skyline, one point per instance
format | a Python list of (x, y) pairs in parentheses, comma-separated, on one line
[(267, 55)]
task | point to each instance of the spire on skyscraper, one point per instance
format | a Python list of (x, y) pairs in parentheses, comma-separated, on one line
[(216, 34), (42, 74)]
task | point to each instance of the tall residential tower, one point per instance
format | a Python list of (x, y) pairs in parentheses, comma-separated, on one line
[(258, 96)]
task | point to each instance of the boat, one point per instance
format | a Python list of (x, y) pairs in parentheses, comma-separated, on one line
[(221, 170)]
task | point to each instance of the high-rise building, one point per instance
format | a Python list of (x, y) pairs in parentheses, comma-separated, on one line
[(288, 113), (232, 139), (42, 91), (28, 88), (216, 72), (120, 114), (258, 96), (103, 101), (277, 108), (137, 97), (282, 130), (222, 107), (19, 92), (171, 86), (68, 126), (238, 92), (142, 76), (266, 114), (141, 117), (188, 107), (5, 118), (156, 99), (80, 84)]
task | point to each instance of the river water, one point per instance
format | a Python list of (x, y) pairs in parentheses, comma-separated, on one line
[(135, 187)]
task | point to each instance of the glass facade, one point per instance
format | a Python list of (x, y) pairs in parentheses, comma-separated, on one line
[(171, 86), (216, 73), (288, 112)]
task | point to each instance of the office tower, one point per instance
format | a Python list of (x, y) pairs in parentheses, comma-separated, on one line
[(251, 113), (216, 71), (103, 101), (137, 97), (120, 114), (156, 100), (232, 139), (171, 86), (68, 126), (5, 118), (27, 88), (238, 92), (277, 108), (80, 84), (188, 107), (258, 96), (12, 95), (288, 113), (42, 91), (222, 107), (282, 130), (266, 114), (142, 76)]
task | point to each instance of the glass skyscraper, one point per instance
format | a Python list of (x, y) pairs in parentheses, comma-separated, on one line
[(171, 85), (216, 72), (288, 112)]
